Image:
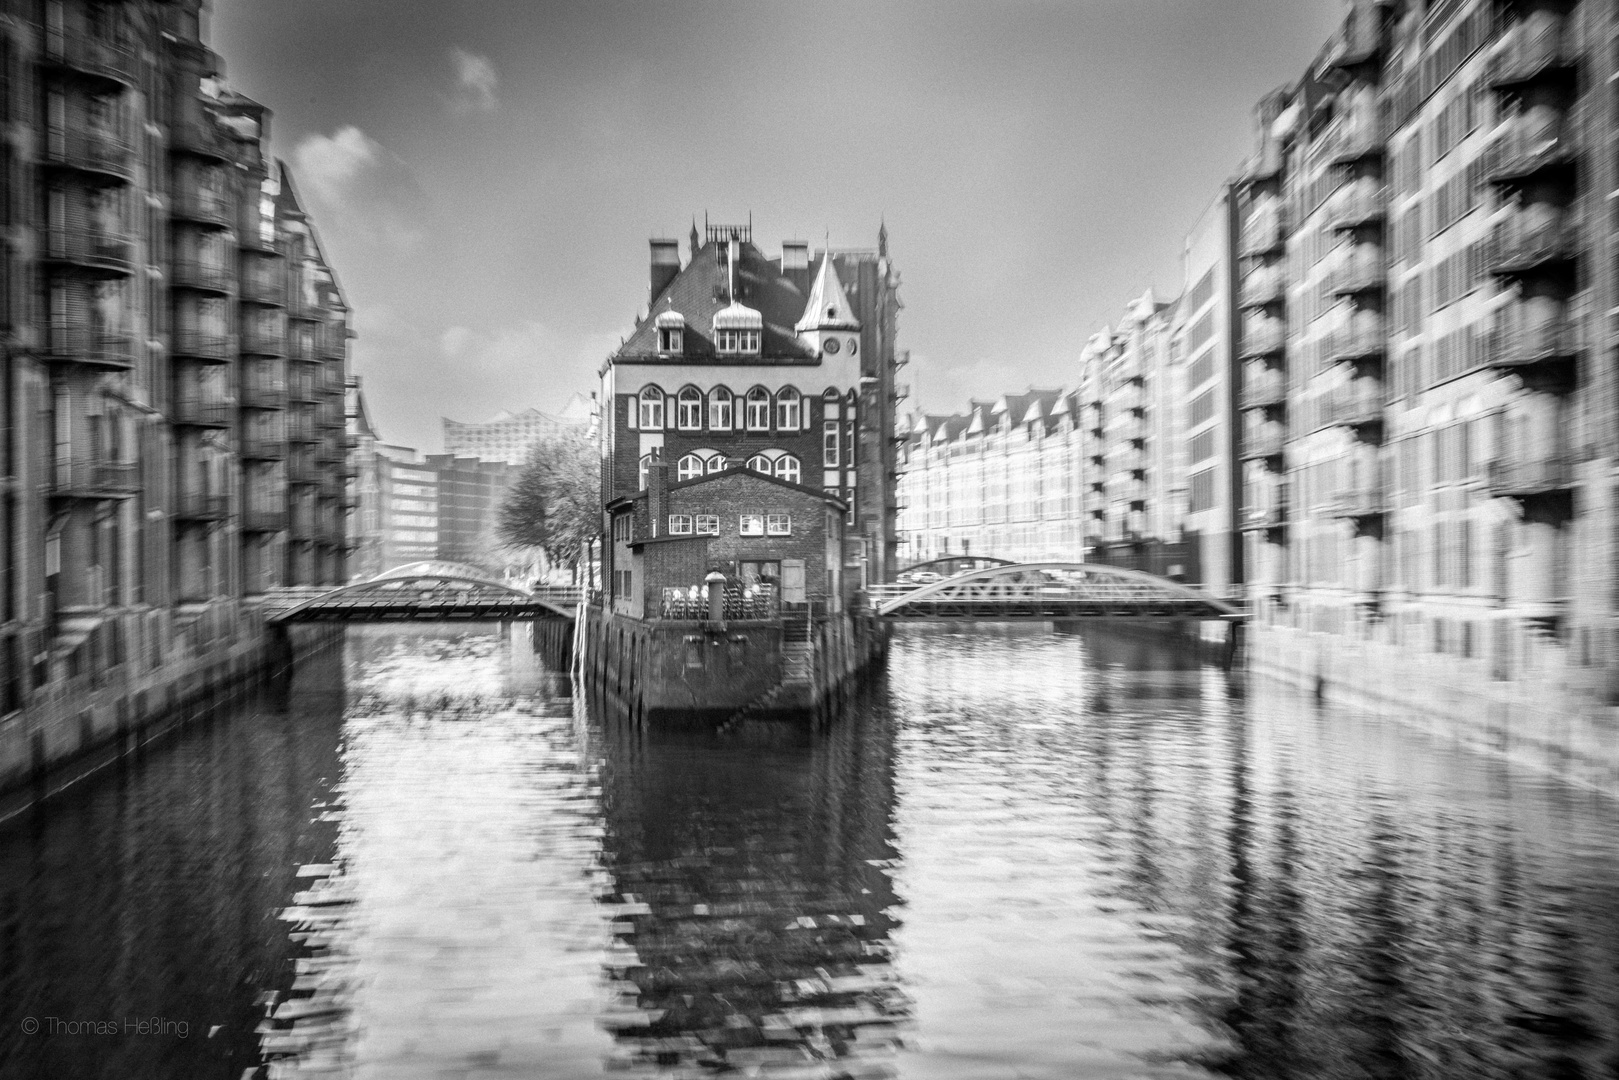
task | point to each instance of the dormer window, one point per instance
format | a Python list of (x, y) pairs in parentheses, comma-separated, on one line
[(671, 326), (738, 330)]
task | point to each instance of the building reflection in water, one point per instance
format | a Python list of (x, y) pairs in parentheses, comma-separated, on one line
[(753, 897)]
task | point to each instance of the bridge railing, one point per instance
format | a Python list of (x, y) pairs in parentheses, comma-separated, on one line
[(1027, 590)]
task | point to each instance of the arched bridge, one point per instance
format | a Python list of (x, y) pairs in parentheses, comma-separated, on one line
[(1052, 590), (424, 591)]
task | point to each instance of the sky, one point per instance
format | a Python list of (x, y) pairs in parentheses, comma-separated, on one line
[(485, 174)]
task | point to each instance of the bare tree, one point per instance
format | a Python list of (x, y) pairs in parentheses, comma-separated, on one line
[(555, 502)]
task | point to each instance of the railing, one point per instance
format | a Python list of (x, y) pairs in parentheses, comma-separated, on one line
[(333, 346), (1364, 340), (1260, 518), (1263, 338), (202, 137), (260, 342), (198, 412), (1266, 231), (1351, 407), (264, 519), (1357, 143), (1266, 443), (1530, 475), (260, 392), (739, 602), (1264, 393), (91, 247), (1363, 271), (263, 446), (1358, 204), (199, 506), (91, 149), (1363, 501), (97, 478), (1519, 245), (1045, 590), (113, 60), (301, 468), (88, 345), (1532, 49), (1531, 146), (257, 289), (205, 207), (202, 345), (301, 427), (193, 274), (1515, 343), (1262, 287)]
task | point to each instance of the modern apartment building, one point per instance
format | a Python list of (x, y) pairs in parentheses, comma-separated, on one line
[(1428, 226), (469, 497), (509, 436), (174, 358), (364, 492), (409, 502)]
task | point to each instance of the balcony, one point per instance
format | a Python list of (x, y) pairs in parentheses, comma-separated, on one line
[(263, 446), (1262, 288), (112, 63), (1363, 341), (202, 208), (1521, 246), (1514, 345), (253, 237), (262, 288), (301, 427), (257, 341), (303, 389), (201, 277), (263, 520), (201, 345), (1355, 503), (1531, 476), (263, 393), (301, 528), (1265, 338), (1265, 166), (1534, 51), (196, 412), (202, 138), (1356, 206), (331, 451), (1265, 232), (1360, 43), (194, 506), (1357, 143), (1265, 393), (110, 254), (97, 478), (335, 346), (301, 468), (1265, 518), (1532, 149), (1264, 444), (92, 150), (300, 306), (1352, 407), (1363, 272), (91, 347)]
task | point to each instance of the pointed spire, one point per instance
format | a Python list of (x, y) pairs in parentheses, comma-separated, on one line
[(694, 242), (882, 239), (828, 305)]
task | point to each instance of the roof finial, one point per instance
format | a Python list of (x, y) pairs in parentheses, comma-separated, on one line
[(882, 238), (694, 236)]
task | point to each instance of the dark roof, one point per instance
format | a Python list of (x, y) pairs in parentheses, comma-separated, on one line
[(703, 287), (734, 471)]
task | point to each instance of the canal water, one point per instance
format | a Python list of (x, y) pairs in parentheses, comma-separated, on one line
[(1020, 853)]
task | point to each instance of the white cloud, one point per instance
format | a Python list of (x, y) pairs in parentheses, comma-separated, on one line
[(476, 81), (329, 165)]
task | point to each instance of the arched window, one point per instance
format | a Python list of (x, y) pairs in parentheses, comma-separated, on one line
[(690, 467), (646, 463), (651, 409), (758, 409), (719, 409), (761, 464), (789, 409), (689, 410), (830, 400), (718, 463), (787, 468)]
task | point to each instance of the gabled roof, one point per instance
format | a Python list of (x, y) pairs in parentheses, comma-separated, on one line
[(701, 290), (731, 472), (828, 306)]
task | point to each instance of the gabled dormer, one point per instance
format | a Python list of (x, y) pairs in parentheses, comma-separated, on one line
[(671, 327), (737, 330), (828, 325)]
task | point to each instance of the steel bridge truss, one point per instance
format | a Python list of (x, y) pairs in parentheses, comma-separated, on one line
[(1045, 591), (435, 592)]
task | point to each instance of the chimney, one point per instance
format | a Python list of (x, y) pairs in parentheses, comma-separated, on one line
[(794, 255), (665, 265), (657, 493)]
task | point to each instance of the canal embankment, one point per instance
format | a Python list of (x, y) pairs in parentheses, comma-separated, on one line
[(81, 722)]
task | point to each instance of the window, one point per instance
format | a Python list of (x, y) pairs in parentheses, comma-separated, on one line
[(787, 468), (751, 525), (679, 524), (736, 341), (646, 462), (651, 409), (708, 524), (1202, 407), (779, 524), (1202, 491), (829, 444), (670, 339), (761, 464), (718, 463), (789, 408), (690, 467), (690, 409), (829, 404), (719, 409), (758, 409), (621, 528)]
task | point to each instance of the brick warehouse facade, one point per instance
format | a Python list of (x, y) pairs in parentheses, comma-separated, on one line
[(1428, 229)]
